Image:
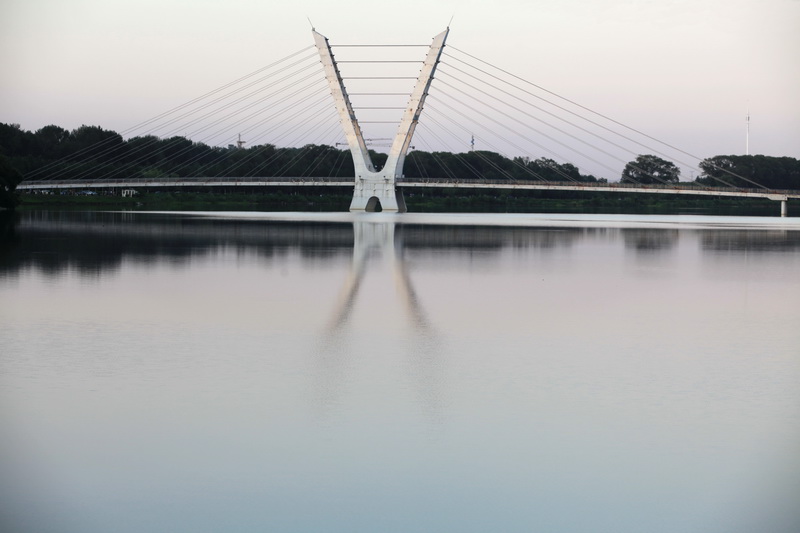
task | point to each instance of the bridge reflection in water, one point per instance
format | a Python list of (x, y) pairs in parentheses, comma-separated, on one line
[(378, 254), (372, 240)]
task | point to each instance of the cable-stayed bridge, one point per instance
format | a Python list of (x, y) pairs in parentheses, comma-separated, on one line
[(467, 103)]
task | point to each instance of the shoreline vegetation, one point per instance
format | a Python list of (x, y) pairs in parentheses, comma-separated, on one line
[(337, 199)]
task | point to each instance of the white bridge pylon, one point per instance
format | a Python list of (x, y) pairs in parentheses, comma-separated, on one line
[(371, 186)]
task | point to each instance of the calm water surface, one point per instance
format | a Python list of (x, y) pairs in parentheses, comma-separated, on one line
[(334, 373)]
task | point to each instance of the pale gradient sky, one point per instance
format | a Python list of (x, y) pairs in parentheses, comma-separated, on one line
[(684, 71)]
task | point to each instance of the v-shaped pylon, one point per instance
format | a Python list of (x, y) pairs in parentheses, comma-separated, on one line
[(372, 187)]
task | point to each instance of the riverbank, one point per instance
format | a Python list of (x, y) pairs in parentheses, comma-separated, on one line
[(432, 201)]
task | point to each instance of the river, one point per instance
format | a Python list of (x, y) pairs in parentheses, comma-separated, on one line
[(299, 372)]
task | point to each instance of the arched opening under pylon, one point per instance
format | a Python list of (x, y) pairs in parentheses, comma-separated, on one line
[(373, 205)]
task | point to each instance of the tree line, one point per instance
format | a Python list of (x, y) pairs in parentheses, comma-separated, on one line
[(91, 152), (745, 171)]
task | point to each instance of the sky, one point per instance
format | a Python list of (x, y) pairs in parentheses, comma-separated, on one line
[(684, 71)]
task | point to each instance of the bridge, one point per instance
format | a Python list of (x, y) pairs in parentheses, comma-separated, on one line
[(383, 186)]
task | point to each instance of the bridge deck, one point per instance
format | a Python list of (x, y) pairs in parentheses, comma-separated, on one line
[(778, 195)]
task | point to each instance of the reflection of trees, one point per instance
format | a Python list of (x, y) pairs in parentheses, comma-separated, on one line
[(8, 228), (650, 240), (486, 238), (92, 243), (742, 240), (96, 242)]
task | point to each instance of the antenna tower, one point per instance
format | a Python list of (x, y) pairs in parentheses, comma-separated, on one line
[(747, 137)]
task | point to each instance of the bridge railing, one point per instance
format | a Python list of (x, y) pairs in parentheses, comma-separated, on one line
[(681, 186), (181, 181), (168, 181)]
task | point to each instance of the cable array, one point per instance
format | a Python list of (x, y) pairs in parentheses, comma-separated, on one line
[(504, 112), (287, 103)]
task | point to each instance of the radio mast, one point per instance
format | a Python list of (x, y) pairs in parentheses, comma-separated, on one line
[(747, 136)]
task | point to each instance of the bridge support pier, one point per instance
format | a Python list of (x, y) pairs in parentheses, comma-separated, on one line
[(783, 208), (373, 186), (366, 198)]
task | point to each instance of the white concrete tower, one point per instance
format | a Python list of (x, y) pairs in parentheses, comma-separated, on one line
[(373, 186)]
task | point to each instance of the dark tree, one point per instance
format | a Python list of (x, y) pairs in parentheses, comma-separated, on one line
[(52, 142), (646, 169), (749, 170), (94, 139), (9, 178), (15, 141)]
